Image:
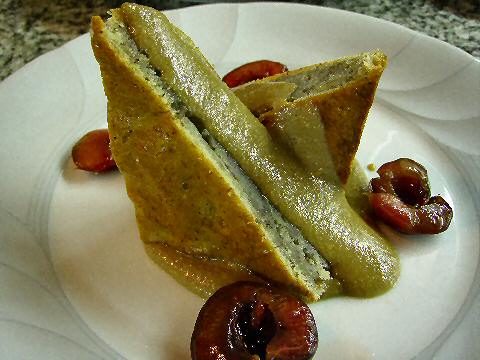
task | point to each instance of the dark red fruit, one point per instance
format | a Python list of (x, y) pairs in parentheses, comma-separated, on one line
[(401, 198), (253, 71), (247, 319), (405, 178), (92, 152)]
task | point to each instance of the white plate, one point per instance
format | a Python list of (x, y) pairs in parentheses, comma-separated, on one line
[(74, 280)]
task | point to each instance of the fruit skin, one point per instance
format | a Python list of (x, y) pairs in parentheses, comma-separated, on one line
[(248, 320), (405, 178), (432, 218), (92, 152), (253, 71), (401, 198)]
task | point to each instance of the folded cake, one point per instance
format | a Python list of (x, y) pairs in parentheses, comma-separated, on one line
[(319, 111), (208, 181)]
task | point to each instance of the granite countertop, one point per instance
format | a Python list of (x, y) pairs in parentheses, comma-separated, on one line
[(29, 28)]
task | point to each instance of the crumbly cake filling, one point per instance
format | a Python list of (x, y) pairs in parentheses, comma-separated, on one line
[(330, 76)]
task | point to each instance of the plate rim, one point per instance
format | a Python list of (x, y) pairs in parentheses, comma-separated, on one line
[(71, 44)]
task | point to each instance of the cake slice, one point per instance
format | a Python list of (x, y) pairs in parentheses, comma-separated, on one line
[(208, 180), (189, 194), (322, 107)]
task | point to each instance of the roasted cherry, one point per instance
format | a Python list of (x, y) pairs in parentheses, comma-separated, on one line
[(253, 71), (401, 198), (92, 152), (405, 178), (248, 320), (432, 218)]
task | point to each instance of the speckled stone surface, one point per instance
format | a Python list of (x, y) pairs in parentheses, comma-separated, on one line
[(29, 28)]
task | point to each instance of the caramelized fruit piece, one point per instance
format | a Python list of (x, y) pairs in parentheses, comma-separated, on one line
[(401, 198), (92, 152), (431, 218), (248, 319), (405, 178), (253, 71)]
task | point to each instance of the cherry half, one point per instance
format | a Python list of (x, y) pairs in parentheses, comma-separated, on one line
[(400, 197), (248, 320), (253, 71), (92, 152)]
